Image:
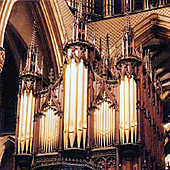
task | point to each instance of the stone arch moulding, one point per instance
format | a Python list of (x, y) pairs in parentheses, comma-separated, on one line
[(5, 10), (3, 141), (56, 30)]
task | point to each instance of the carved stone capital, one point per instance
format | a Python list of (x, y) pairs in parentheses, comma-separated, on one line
[(2, 58)]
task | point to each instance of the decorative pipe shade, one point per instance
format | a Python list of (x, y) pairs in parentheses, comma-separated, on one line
[(128, 114), (104, 124), (49, 130), (75, 104), (26, 115)]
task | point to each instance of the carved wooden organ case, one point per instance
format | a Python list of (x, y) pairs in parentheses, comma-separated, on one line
[(100, 113)]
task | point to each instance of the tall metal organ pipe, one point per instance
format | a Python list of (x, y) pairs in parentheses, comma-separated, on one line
[(26, 115), (128, 114), (49, 130), (75, 104), (104, 124)]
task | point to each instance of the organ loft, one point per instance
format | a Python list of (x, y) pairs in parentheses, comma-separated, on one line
[(85, 84)]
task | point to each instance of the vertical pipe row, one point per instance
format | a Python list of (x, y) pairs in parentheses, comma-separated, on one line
[(75, 104), (85, 104), (49, 131), (122, 100), (25, 135), (128, 114), (104, 124)]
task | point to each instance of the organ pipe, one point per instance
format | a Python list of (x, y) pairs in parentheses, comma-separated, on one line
[(128, 114), (104, 124), (49, 130), (75, 104), (26, 116)]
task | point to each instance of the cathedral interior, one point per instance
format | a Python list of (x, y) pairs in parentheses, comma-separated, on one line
[(85, 84)]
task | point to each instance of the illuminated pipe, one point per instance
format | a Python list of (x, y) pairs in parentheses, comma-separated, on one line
[(28, 120), (66, 104), (31, 121), (75, 104), (44, 132), (47, 122), (40, 133), (109, 131), (100, 124), (127, 108), (24, 121), (85, 106), (20, 123), (132, 123), (122, 111), (52, 133), (104, 124), (80, 103), (135, 112), (56, 129), (113, 112), (112, 123), (58, 120), (107, 122), (95, 123), (72, 119), (97, 126), (50, 130)]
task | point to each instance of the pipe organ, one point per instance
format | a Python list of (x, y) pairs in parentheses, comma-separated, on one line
[(104, 123), (101, 112), (128, 114), (26, 115), (49, 130), (75, 104), (26, 103)]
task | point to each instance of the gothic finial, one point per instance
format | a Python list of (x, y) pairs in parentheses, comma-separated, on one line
[(33, 40), (107, 45), (127, 22), (127, 7), (80, 9), (100, 46), (51, 75)]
